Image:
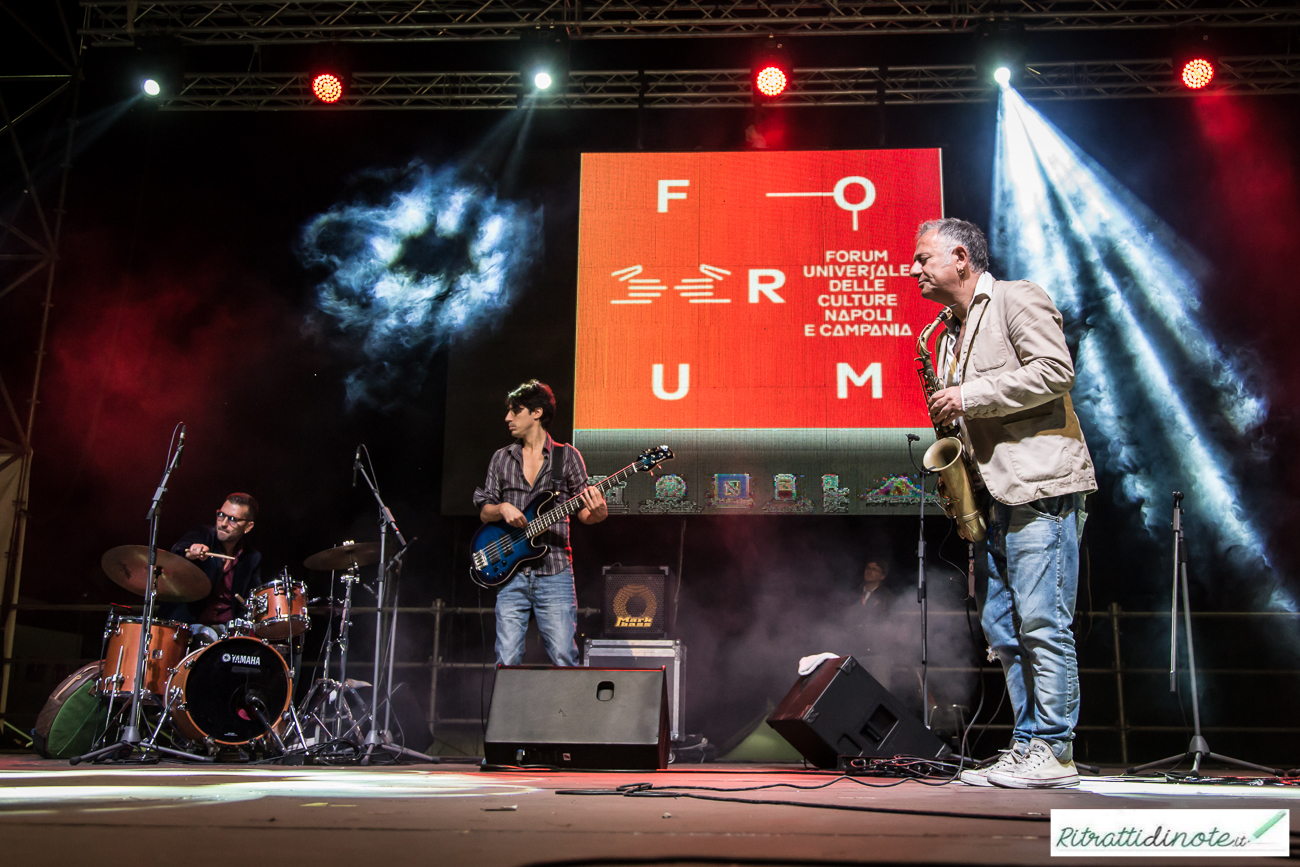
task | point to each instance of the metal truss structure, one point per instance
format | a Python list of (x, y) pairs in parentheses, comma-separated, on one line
[(31, 227), (117, 22), (728, 88)]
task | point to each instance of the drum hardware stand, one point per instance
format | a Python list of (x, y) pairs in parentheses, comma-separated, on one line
[(338, 688), (379, 738), (1199, 748), (131, 741), (921, 595)]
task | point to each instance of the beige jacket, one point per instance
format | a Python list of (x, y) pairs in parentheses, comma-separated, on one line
[(1016, 376)]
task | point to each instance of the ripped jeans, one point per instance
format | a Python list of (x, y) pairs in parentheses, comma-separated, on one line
[(1026, 580)]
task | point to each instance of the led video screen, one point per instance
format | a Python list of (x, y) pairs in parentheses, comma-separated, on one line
[(753, 311)]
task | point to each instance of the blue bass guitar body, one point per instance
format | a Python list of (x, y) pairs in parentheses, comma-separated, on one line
[(501, 550)]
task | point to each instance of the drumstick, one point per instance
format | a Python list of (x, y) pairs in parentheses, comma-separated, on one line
[(222, 556)]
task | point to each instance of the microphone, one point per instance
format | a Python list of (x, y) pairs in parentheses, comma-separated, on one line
[(356, 462), (912, 438), (180, 446)]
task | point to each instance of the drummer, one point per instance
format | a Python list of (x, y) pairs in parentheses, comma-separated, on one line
[(232, 578)]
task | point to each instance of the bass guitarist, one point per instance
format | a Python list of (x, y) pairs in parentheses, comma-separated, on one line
[(518, 473)]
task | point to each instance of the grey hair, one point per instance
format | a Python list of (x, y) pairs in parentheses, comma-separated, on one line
[(959, 232)]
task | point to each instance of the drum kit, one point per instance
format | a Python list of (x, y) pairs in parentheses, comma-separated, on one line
[(229, 690), (190, 692)]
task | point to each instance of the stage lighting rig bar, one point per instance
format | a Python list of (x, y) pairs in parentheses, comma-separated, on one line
[(727, 88), (250, 22)]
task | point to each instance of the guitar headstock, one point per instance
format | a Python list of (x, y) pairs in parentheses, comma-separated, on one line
[(653, 457)]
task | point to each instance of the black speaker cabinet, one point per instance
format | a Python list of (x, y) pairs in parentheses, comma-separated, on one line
[(590, 718), (841, 710), (636, 601)]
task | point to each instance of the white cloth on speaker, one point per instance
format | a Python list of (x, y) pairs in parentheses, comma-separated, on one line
[(809, 663)]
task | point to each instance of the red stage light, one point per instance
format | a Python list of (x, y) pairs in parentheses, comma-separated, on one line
[(327, 87), (1197, 73), (771, 81)]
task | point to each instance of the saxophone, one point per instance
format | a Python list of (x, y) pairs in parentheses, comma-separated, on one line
[(948, 456)]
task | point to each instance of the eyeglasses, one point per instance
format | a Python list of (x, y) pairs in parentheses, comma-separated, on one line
[(230, 519)]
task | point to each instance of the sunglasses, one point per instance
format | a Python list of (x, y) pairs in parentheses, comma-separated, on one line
[(230, 519)]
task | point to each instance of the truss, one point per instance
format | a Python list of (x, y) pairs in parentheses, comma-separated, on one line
[(729, 88), (116, 22)]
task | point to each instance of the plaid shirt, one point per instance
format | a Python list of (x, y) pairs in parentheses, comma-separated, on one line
[(505, 483)]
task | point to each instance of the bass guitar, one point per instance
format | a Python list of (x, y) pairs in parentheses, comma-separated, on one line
[(500, 549)]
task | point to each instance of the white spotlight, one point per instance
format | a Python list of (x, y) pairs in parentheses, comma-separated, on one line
[(151, 87), (1002, 75), (542, 80)]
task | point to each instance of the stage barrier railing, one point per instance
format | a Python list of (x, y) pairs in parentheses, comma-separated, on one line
[(1114, 615)]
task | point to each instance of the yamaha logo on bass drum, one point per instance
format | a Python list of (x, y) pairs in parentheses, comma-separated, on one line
[(241, 659)]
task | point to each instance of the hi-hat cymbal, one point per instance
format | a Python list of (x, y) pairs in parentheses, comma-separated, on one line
[(344, 557), (179, 581)]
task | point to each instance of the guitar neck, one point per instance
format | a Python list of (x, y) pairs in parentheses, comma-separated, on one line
[(545, 521)]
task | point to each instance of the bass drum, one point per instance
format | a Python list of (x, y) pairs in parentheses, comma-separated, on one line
[(214, 689)]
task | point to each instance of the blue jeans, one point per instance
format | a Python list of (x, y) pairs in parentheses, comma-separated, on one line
[(552, 600), (1026, 580)]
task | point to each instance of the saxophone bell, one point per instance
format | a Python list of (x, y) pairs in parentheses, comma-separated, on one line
[(945, 459)]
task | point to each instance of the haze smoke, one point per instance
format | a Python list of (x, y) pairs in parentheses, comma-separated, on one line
[(426, 255)]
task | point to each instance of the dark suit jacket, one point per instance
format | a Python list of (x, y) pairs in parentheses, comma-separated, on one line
[(248, 574)]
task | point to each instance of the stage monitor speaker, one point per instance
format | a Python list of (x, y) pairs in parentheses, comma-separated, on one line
[(636, 602), (841, 710), (592, 718)]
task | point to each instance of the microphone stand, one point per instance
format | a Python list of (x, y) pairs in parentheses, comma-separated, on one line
[(1199, 748), (131, 740), (921, 594), (379, 737)]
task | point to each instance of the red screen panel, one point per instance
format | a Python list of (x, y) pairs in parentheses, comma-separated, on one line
[(751, 291)]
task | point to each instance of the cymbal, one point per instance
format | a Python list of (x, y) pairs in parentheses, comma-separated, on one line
[(180, 581), (344, 557)]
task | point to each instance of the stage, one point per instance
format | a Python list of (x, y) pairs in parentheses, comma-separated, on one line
[(52, 813)]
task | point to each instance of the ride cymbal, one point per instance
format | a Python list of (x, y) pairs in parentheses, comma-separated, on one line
[(344, 557), (179, 581)]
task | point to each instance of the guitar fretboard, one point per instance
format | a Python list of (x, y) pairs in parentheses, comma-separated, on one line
[(546, 520)]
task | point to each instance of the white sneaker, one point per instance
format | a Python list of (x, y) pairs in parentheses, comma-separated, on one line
[(979, 776), (1038, 768)]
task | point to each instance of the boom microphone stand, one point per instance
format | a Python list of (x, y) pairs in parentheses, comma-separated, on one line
[(379, 737), (131, 741), (1199, 748)]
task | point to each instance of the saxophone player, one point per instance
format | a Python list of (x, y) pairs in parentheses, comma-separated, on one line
[(1006, 375)]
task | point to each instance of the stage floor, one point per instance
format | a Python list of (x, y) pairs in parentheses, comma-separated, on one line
[(52, 813)]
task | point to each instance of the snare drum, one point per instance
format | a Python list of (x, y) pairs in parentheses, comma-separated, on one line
[(209, 693), (167, 643), (278, 609)]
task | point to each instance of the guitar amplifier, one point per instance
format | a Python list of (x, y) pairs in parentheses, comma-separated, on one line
[(643, 653), (636, 601)]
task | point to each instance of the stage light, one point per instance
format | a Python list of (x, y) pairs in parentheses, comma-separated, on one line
[(158, 67), (771, 81), (1150, 369), (543, 63), (1197, 73), (999, 50), (770, 74), (327, 87), (1195, 57)]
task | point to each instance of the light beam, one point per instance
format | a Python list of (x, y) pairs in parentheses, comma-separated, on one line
[(1173, 408)]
